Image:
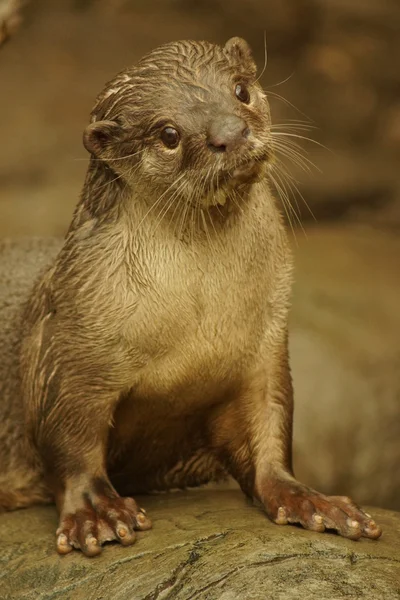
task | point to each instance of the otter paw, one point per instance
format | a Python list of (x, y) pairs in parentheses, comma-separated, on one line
[(291, 502), (98, 520)]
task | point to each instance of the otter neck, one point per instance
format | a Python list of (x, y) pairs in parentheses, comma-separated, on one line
[(106, 195), (101, 196), (185, 219)]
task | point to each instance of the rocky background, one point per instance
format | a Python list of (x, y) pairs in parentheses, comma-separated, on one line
[(204, 546), (337, 62)]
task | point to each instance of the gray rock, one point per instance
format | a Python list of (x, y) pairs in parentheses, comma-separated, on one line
[(205, 545)]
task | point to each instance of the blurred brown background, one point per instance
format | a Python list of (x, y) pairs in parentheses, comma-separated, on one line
[(339, 63), (341, 58)]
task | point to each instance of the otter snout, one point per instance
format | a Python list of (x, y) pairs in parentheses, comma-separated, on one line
[(226, 133)]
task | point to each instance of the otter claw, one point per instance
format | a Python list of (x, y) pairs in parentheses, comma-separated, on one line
[(63, 545), (290, 501), (281, 518)]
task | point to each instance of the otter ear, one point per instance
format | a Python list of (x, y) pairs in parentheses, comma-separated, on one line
[(97, 136), (239, 52)]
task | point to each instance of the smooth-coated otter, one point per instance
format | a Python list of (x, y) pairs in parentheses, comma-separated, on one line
[(154, 350)]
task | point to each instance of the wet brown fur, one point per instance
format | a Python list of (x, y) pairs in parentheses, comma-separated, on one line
[(161, 367), (154, 348)]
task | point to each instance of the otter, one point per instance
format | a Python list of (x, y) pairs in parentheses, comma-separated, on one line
[(154, 348)]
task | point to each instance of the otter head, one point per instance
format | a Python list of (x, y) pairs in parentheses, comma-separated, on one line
[(189, 122)]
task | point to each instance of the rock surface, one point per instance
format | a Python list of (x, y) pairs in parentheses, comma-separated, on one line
[(205, 545)]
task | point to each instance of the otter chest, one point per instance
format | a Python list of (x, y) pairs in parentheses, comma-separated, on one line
[(198, 321)]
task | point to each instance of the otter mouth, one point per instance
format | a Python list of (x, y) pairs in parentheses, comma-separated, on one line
[(248, 171)]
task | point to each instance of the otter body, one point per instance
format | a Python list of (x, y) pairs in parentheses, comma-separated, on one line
[(174, 342), (154, 349), (192, 347)]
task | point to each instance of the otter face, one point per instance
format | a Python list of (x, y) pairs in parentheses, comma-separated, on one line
[(190, 120)]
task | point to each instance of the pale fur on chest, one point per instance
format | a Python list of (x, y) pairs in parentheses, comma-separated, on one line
[(190, 314), (197, 323)]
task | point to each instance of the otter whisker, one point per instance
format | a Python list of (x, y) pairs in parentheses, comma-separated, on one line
[(206, 230), (172, 219), (281, 82), (234, 193), (168, 205), (287, 138), (294, 154), (208, 177), (185, 213), (283, 195), (212, 224), (281, 174), (288, 103), (239, 204), (291, 181), (129, 176), (126, 156), (294, 159), (287, 213), (106, 160), (201, 182), (285, 143), (190, 204), (234, 201), (130, 172), (300, 122), (110, 181), (303, 137), (211, 180), (159, 200), (216, 187), (293, 125), (184, 206), (200, 187), (194, 200), (265, 57), (164, 210)]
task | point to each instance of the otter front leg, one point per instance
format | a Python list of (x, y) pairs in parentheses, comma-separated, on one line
[(70, 426), (259, 457)]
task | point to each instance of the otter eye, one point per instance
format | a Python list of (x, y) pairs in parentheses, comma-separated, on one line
[(170, 137), (242, 93)]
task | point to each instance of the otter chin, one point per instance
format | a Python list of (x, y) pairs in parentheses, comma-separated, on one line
[(232, 187), (249, 172), (154, 348)]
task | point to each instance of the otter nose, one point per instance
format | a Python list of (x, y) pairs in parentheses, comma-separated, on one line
[(227, 133)]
